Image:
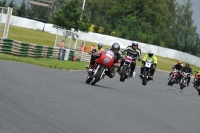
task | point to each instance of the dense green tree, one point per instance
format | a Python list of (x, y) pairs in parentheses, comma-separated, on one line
[(22, 9), (3, 3), (71, 16), (184, 26)]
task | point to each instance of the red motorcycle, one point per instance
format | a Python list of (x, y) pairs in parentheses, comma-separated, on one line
[(173, 77), (97, 71)]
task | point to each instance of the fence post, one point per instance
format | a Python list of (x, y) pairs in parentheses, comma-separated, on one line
[(7, 24)]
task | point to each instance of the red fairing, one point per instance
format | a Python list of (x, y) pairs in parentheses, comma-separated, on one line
[(106, 58), (174, 74)]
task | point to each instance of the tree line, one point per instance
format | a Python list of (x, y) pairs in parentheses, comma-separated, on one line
[(163, 23)]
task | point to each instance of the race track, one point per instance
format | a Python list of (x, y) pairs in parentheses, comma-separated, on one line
[(34, 99)]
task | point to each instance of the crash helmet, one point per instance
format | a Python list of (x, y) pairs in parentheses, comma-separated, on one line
[(187, 65), (100, 45), (150, 53), (179, 62), (115, 47), (134, 43)]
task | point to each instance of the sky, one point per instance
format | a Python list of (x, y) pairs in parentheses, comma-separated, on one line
[(195, 8)]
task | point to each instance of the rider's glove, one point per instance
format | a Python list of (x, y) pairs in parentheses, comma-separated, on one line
[(143, 62)]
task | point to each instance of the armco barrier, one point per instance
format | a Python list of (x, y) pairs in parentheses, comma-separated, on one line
[(17, 48)]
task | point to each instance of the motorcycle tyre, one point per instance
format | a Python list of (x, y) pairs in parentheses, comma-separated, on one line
[(144, 81), (181, 84), (98, 75), (88, 79), (123, 75), (170, 82)]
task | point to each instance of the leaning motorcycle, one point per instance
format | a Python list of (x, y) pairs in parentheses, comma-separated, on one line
[(97, 71), (126, 68), (184, 80), (146, 72), (173, 77)]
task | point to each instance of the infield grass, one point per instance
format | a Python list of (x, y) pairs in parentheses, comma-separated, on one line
[(48, 39)]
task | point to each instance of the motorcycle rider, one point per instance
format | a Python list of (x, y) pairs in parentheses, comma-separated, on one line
[(134, 52), (179, 67), (115, 48), (197, 76), (98, 48), (151, 56), (187, 69), (93, 52)]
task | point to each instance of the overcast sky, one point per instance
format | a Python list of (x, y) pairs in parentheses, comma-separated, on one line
[(195, 8)]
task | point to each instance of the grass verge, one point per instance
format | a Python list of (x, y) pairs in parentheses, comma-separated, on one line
[(44, 38), (163, 63)]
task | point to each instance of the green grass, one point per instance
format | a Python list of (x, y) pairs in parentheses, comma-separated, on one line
[(40, 37), (44, 38), (50, 63)]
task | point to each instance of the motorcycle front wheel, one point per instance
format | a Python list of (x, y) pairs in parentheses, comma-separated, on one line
[(88, 79), (181, 84), (97, 77), (144, 81), (123, 74)]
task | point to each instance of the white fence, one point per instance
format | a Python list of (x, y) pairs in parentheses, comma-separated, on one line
[(5, 13), (109, 40)]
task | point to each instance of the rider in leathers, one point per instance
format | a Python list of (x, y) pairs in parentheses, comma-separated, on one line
[(115, 48), (187, 69), (134, 52), (178, 67), (150, 55)]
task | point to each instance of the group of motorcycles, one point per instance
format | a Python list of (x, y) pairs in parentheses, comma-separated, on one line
[(105, 62), (173, 79), (125, 70), (97, 71)]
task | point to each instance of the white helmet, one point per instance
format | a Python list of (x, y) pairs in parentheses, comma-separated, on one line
[(150, 53), (135, 43)]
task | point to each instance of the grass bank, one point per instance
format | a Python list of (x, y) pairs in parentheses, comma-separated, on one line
[(44, 38)]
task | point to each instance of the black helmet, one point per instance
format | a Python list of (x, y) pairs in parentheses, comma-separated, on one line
[(100, 45), (187, 64), (115, 47), (135, 43)]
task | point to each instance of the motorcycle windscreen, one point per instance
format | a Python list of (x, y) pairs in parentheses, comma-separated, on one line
[(107, 58)]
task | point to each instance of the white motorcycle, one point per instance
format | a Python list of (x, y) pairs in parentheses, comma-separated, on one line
[(184, 79), (146, 72)]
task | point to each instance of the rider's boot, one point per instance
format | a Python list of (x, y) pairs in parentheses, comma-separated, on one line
[(89, 66), (118, 69), (131, 74)]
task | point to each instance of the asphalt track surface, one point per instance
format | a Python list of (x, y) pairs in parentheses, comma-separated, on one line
[(34, 99)]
